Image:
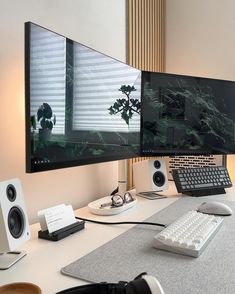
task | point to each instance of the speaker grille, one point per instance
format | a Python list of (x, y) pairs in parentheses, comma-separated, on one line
[(157, 164), (159, 179), (16, 222), (11, 192)]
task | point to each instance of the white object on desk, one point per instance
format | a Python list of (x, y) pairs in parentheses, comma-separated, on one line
[(189, 234), (95, 206), (56, 217), (41, 215), (215, 207)]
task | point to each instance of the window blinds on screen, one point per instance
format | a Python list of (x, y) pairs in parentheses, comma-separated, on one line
[(97, 79), (47, 73), (85, 105)]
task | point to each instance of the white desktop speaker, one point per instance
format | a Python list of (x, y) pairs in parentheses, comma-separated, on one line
[(150, 175), (14, 226)]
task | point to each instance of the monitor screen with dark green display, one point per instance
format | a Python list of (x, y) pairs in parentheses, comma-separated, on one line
[(186, 115), (82, 106)]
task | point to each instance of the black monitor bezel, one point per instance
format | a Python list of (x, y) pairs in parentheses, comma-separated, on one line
[(30, 167)]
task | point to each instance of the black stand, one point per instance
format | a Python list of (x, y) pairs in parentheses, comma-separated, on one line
[(62, 233), (205, 192)]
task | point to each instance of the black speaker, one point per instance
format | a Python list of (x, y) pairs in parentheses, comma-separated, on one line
[(14, 225), (150, 175)]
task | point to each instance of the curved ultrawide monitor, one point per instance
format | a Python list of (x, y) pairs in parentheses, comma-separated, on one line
[(185, 115), (82, 106)]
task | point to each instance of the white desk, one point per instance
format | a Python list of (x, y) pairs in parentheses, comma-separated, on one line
[(44, 258)]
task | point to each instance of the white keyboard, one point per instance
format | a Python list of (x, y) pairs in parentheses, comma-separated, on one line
[(188, 235)]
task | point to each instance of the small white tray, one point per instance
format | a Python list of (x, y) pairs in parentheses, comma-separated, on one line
[(94, 206)]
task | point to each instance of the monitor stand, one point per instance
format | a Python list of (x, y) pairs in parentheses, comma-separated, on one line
[(98, 207), (122, 177)]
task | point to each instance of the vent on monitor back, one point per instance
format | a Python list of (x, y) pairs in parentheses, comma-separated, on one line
[(191, 161)]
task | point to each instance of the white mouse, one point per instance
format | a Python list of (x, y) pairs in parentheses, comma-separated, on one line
[(214, 207)]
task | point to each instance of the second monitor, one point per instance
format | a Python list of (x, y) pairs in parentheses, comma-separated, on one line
[(185, 115)]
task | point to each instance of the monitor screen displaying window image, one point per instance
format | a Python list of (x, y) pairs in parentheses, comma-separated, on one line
[(184, 115), (82, 106)]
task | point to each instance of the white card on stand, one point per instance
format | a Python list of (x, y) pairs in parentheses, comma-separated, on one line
[(41, 215), (57, 217)]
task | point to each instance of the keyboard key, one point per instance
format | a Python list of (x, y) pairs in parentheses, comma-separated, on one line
[(206, 185)]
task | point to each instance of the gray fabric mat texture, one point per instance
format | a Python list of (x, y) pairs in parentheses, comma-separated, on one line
[(131, 253)]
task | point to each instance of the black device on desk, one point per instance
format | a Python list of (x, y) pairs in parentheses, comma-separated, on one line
[(62, 233), (141, 284), (202, 181)]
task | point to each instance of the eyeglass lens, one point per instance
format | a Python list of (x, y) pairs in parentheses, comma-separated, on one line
[(118, 200)]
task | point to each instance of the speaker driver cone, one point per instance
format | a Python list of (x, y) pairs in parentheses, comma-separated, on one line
[(11, 193), (158, 178), (15, 222), (157, 164)]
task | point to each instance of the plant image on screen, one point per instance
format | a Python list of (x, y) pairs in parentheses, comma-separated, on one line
[(47, 120), (126, 106), (72, 90), (186, 114)]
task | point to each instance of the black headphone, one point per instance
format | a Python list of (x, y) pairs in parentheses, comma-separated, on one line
[(142, 284)]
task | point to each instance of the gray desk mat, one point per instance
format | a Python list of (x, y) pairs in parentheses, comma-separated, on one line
[(131, 253)]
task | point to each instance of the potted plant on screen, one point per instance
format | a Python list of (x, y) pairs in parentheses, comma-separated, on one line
[(47, 120), (126, 106)]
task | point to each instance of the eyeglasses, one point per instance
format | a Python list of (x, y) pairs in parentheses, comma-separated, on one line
[(118, 200)]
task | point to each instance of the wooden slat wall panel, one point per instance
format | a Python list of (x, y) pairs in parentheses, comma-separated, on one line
[(145, 43), (131, 161), (146, 40)]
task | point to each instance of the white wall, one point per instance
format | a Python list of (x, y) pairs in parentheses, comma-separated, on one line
[(200, 40), (98, 24)]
